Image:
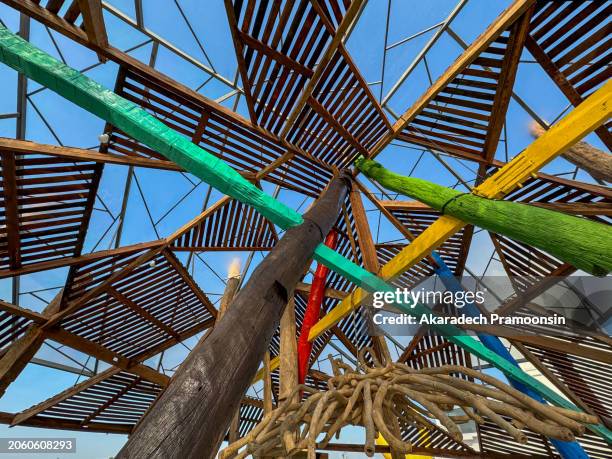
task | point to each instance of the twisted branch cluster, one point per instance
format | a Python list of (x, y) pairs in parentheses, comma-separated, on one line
[(381, 398)]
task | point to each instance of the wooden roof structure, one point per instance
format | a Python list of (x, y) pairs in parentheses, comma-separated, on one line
[(311, 112)]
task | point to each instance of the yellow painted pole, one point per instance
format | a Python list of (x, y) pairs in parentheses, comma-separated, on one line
[(585, 118), (380, 440), (274, 363)]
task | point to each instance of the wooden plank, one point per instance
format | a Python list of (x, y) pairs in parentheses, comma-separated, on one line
[(93, 21), (110, 357), (503, 21), (22, 147), (338, 36), (370, 258), (64, 395), (11, 209), (141, 312), (505, 84)]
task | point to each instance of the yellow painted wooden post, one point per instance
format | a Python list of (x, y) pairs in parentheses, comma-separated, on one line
[(585, 118), (274, 363), (380, 440)]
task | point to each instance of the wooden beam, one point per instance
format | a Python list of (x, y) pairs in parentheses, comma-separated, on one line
[(336, 125), (336, 42), (9, 179), (65, 424), (592, 113), (370, 258), (242, 67), (110, 357), (77, 260), (17, 356), (192, 416), (64, 395), (267, 386), (546, 342), (22, 312), (329, 292), (509, 67), (288, 372), (21, 147), (21, 351), (142, 312), (274, 54), (503, 21), (93, 20), (231, 288)]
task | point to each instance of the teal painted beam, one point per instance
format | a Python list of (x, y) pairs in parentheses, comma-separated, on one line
[(136, 122)]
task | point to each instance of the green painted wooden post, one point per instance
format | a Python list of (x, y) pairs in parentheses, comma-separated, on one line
[(581, 242)]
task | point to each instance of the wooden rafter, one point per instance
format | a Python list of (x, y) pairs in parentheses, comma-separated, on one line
[(507, 18), (36, 409), (518, 33), (336, 42), (93, 20), (17, 147), (301, 159)]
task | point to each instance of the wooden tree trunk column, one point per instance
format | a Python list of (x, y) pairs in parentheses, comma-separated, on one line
[(231, 288), (191, 417)]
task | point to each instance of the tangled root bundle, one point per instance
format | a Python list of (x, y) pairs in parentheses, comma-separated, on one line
[(383, 398)]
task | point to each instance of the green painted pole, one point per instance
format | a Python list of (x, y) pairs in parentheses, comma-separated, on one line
[(136, 122), (584, 243)]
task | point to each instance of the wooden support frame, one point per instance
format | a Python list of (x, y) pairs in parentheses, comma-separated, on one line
[(585, 118), (518, 34), (16, 147), (336, 42), (39, 408), (503, 21), (93, 21), (35, 11)]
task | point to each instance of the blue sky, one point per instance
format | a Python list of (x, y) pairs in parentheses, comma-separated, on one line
[(162, 189)]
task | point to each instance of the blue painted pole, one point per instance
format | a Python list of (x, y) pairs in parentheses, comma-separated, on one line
[(567, 449)]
